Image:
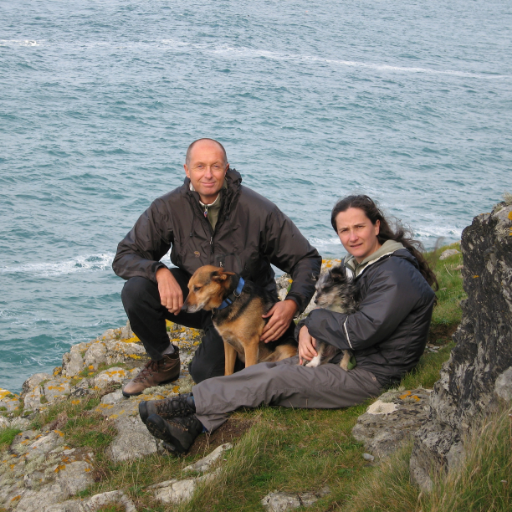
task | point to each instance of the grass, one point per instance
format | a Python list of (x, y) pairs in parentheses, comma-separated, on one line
[(481, 484), (291, 450), (7, 436)]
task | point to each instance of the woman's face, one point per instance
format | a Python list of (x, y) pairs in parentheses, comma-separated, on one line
[(357, 233)]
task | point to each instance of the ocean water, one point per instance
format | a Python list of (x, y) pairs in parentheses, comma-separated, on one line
[(407, 101)]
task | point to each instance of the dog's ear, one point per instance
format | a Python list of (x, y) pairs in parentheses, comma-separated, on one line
[(221, 275)]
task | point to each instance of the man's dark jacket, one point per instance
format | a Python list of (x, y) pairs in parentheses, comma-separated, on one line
[(250, 235), (389, 332)]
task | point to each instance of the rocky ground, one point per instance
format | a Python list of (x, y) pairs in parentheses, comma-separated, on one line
[(40, 471)]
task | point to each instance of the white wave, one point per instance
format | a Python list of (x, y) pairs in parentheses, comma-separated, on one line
[(256, 53), (18, 42), (438, 231), (85, 263), (321, 242)]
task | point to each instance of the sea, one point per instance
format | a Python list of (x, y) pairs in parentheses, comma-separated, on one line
[(407, 101)]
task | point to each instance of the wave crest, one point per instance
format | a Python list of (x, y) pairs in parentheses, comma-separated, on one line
[(83, 263)]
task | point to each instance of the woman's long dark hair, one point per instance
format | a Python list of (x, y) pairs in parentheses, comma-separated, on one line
[(401, 235)]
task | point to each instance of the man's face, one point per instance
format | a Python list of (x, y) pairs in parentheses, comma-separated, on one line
[(206, 169)]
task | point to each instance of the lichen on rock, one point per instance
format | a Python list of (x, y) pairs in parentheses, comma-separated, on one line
[(475, 377)]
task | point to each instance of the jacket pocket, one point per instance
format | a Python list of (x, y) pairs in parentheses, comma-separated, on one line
[(230, 262)]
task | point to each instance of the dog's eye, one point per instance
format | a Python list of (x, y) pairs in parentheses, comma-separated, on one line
[(197, 288)]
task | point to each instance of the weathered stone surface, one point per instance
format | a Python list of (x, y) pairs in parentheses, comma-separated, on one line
[(466, 388), (56, 388), (20, 423), (115, 375), (32, 399), (96, 354), (134, 440), (4, 422), (34, 501), (283, 501), (34, 381), (114, 398), (503, 387), (72, 363), (449, 252), (206, 463), (391, 420), (124, 352), (74, 477), (9, 402), (177, 491)]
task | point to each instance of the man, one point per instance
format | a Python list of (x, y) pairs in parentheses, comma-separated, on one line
[(210, 220)]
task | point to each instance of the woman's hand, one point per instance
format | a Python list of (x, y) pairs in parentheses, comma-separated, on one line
[(307, 345)]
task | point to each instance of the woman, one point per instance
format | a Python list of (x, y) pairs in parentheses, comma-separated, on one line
[(387, 336)]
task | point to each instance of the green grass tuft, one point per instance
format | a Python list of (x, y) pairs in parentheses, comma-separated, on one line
[(7, 436)]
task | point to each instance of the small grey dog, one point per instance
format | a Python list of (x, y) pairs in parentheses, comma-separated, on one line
[(335, 291)]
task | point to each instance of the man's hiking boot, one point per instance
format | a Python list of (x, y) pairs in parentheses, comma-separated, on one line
[(154, 373), (168, 408), (179, 433)]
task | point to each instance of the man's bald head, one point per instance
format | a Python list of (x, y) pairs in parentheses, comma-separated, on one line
[(201, 142)]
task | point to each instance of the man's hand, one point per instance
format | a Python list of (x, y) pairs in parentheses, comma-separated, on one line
[(307, 345), (171, 295), (280, 315)]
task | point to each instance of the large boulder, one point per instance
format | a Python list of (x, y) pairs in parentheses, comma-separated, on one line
[(478, 374)]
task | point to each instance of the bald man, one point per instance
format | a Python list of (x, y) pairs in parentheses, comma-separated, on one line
[(212, 219)]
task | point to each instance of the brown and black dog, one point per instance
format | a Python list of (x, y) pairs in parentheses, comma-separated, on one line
[(237, 307)]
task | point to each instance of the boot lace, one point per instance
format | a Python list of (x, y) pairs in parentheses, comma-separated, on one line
[(176, 406), (189, 423), (148, 369)]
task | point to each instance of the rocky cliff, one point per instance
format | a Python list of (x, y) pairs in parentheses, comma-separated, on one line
[(479, 371)]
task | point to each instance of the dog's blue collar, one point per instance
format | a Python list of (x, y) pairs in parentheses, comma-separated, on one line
[(233, 296)]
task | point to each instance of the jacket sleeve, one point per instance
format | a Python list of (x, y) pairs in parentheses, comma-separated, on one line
[(289, 251), (138, 254), (389, 301)]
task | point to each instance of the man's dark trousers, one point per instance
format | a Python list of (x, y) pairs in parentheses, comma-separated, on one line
[(141, 301)]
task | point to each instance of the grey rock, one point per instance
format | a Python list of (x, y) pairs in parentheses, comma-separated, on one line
[(66, 506), (45, 444), (21, 423), (206, 463), (178, 491), (475, 376), (4, 422), (368, 457), (75, 477), (113, 398), (387, 424), (283, 501), (72, 363), (56, 389), (95, 354), (106, 498), (24, 436), (32, 400), (115, 375), (449, 252), (122, 352), (35, 501), (503, 386), (34, 381), (126, 331), (134, 440)]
